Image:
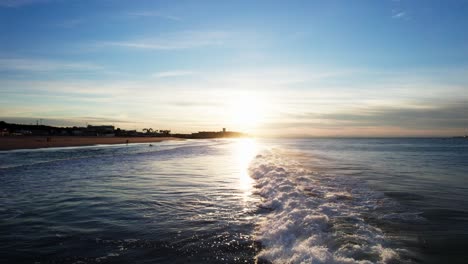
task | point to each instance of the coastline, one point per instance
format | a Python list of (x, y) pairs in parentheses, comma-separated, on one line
[(35, 142)]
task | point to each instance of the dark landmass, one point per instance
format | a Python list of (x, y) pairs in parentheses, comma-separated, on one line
[(20, 136), (210, 134)]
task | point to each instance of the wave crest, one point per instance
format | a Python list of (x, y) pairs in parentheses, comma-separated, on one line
[(316, 218)]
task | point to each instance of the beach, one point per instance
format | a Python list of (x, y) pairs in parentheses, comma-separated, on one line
[(35, 142)]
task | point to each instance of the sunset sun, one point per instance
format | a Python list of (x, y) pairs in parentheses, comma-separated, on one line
[(246, 111)]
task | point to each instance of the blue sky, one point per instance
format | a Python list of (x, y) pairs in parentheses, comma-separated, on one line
[(303, 68)]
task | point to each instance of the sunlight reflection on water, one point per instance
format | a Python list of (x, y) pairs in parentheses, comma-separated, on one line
[(245, 150)]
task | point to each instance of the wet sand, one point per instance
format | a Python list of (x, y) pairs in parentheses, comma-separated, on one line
[(34, 142)]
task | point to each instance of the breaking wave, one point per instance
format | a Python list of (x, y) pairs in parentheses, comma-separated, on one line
[(319, 218)]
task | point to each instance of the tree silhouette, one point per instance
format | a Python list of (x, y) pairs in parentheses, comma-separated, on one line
[(165, 132), (148, 130)]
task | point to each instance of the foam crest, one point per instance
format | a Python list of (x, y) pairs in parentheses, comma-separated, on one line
[(316, 218)]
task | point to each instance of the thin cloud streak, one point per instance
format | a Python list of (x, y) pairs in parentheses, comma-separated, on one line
[(169, 74), (174, 41), (39, 65), (434, 115), (399, 15)]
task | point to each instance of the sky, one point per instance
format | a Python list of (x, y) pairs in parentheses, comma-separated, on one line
[(271, 68)]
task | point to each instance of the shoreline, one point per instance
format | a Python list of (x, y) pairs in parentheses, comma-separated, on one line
[(36, 142)]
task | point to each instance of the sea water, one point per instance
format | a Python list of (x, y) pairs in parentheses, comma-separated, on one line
[(237, 201)]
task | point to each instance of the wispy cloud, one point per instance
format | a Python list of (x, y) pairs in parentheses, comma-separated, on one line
[(19, 3), (173, 41), (424, 116), (154, 14), (40, 65), (399, 15), (271, 78), (429, 118), (168, 74)]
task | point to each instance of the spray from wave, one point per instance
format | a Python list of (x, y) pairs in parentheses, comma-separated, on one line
[(316, 218)]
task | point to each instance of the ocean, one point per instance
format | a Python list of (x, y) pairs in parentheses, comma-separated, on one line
[(237, 201)]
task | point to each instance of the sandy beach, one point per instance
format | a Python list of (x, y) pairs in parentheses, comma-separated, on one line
[(34, 142)]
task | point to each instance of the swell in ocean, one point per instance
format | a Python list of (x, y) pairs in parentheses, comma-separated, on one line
[(318, 218)]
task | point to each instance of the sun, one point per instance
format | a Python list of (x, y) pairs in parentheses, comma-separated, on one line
[(245, 112)]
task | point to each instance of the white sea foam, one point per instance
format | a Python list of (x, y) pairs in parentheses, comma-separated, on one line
[(316, 218)]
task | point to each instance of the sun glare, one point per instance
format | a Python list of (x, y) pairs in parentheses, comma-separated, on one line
[(246, 112), (245, 150)]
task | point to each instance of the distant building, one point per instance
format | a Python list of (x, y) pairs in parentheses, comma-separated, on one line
[(27, 132), (128, 133), (100, 131), (36, 132), (4, 132), (77, 132), (216, 134)]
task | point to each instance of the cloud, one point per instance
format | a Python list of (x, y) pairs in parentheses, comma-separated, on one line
[(92, 89), (399, 15), (19, 3), (445, 119), (433, 116), (40, 65), (203, 104), (168, 74), (105, 120), (154, 14), (173, 41)]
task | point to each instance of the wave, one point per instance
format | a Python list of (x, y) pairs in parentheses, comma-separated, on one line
[(319, 218)]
